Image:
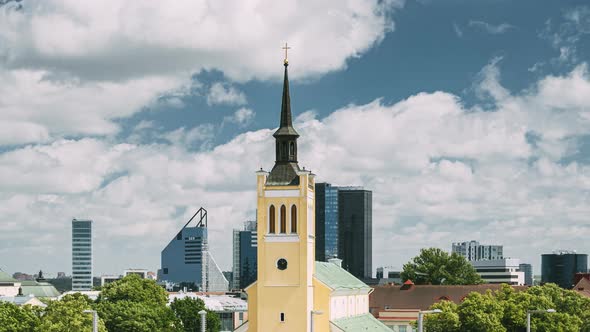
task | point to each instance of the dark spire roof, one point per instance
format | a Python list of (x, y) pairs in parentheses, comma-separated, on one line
[(286, 125), (284, 172)]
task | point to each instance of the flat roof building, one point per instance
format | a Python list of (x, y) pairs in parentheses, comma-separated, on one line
[(81, 255), (474, 251), (355, 230), (500, 271), (561, 267), (326, 221)]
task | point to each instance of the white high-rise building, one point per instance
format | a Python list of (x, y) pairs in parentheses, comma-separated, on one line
[(473, 251), (81, 255)]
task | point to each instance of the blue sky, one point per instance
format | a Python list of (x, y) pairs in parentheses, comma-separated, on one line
[(468, 120), (436, 45)]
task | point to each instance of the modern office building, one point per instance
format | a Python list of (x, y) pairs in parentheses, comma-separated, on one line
[(245, 261), (108, 279), (474, 251), (561, 266), (389, 274), (326, 222), (528, 273), (186, 260), (500, 271), (355, 230), (81, 255)]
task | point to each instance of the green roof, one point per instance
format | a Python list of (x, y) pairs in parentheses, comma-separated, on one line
[(39, 289), (4, 277), (336, 277), (360, 323)]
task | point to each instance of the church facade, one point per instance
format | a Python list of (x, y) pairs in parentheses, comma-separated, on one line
[(293, 292)]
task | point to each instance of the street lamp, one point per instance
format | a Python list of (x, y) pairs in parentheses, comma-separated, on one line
[(315, 312), (421, 317), (202, 313), (94, 319), (528, 316)]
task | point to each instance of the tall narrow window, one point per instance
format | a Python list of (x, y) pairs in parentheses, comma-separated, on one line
[(271, 220), (293, 219), (291, 150), (284, 150), (283, 219)]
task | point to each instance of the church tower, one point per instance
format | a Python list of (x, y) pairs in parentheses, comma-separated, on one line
[(282, 298)]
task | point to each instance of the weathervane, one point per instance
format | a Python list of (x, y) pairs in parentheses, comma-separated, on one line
[(286, 48)]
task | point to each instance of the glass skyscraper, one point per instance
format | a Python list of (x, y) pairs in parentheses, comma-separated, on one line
[(528, 273), (245, 256), (355, 230), (182, 259), (81, 255), (326, 224)]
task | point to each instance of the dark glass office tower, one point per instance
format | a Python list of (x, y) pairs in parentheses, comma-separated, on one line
[(355, 232), (561, 267), (326, 221)]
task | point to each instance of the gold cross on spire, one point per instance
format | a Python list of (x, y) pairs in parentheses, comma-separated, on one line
[(286, 48)]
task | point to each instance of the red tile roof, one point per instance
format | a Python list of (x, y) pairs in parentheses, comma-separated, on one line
[(423, 296), (583, 287)]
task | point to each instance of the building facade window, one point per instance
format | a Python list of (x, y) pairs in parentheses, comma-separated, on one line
[(294, 219), (283, 220), (282, 316), (271, 220)]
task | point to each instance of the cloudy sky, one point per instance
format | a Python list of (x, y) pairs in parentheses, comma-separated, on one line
[(468, 120)]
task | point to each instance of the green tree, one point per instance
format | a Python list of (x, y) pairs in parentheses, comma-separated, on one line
[(447, 321), (506, 310), (68, 314), (435, 266), (187, 310), (481, 313), (135, 289), (17, 319), (136, 305), (128, 316)]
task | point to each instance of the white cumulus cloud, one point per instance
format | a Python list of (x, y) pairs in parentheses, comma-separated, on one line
[(440, 172), (72, 68), (220, 94)]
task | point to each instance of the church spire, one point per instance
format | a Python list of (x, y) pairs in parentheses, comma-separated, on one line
[(285, 170), (286, 124)]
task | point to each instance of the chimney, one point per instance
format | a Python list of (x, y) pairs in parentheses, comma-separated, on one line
[(336, 261), (407, 285)]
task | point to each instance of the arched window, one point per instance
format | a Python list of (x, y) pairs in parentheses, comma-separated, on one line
[(284, 150), (293, 219), (271, 220), (283, 219), (292, 150)]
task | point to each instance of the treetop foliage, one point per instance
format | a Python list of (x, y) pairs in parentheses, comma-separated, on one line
[(131, 304), (506, 309), (437, 267)]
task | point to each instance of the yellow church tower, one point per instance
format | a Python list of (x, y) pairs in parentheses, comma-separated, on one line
[(282, 297), (293, 291)]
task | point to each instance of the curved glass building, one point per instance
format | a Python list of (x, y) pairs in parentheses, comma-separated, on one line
[(561, 267)]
